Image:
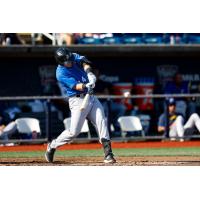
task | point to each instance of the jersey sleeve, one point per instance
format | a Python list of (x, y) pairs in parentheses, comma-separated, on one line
[(78, 58), (161, 121)]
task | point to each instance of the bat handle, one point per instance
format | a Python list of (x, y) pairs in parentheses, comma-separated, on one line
[(85, 102)]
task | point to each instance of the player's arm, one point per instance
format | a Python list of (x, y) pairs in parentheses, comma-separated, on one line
[(87, 68), (82, 61), (91, 77), (70, 82), (86, 64), (161, 129), (161, 124)]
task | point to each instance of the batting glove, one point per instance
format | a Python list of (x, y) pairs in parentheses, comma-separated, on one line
[(90, 85), (92, 78)]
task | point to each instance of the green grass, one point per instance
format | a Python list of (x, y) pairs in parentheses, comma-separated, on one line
[(193, 151)]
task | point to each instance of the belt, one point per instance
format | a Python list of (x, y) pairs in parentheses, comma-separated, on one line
[(80, 95)]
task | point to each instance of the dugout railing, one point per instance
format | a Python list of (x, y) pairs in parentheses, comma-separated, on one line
[(47, 129)]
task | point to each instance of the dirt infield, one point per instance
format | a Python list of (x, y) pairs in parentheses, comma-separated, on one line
[(97, 161)]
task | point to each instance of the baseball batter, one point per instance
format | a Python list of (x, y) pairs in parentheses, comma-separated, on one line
[(76, 79)]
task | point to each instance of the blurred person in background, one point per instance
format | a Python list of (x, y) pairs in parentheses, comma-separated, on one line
[(65, 38), (177, 127), (194, 102), (178, 86), (10, 38)]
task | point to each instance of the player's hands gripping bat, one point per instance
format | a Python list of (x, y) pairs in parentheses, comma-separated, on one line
[(92, 79)]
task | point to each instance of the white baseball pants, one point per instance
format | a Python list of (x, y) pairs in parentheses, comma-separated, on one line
[(93, 112), (177, 128)]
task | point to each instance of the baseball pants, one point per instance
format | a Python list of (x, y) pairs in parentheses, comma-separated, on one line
[(10, 129), (177, 128), (93, 112)]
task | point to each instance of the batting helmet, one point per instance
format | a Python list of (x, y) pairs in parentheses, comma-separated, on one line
[(62, 55)]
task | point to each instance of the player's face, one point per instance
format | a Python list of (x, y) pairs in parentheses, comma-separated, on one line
[(172, 108), (68, 63)]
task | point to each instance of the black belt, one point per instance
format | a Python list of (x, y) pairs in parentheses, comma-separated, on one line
[(80, 95)]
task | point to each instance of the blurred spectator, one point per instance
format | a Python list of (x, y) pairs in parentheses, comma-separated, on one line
[(10, 38), (178, 86), (96, 38), (77, 37), (12, 111), (37, 106), (194, 102), (64, 38), (177, 128), (7, 130), (40, 38)]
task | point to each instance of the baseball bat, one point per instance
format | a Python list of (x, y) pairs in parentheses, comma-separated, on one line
[(85, 102)]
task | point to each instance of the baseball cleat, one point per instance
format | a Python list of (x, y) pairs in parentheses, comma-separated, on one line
[(109, 159), (49, 153)]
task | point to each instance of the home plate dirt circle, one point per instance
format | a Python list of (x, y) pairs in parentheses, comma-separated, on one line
[(97, 161)]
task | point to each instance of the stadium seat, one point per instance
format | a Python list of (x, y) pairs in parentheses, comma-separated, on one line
[(28, 125), (193, 38), (130, 124), (111, 40), (85, 128), (56, 125), (89, 40), (132, 38), (153, 38)]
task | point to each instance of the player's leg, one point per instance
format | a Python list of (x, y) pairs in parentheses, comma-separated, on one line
[(193, 121), (179, 126), (173, 133), (77, 119), (10, 129), (97, 117)]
